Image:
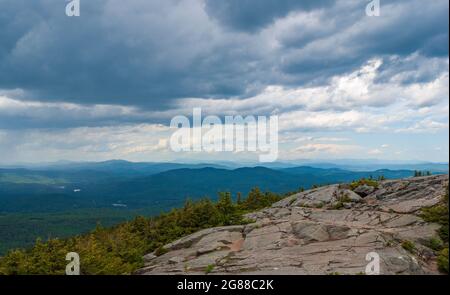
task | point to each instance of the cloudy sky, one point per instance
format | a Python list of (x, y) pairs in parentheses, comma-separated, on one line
[(106, 84)]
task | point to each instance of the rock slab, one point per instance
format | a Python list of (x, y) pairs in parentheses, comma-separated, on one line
[(306, 234)]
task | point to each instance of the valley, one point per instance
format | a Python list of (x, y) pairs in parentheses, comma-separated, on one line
[(67, 199)]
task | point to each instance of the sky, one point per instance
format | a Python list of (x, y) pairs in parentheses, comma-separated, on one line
[(105, 85)]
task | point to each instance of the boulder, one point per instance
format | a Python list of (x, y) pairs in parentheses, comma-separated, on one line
[(364, 190), (351, 196), (149, 257)]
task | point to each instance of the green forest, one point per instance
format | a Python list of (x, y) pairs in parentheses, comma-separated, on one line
[(120, 249)]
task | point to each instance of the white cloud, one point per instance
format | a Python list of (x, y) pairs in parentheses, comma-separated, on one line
[(424, 126), (137, 142), (375, 152), (353, 103), (321, 150)]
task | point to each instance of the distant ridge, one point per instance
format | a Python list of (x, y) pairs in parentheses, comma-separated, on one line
[(141, 185), (156, 167)]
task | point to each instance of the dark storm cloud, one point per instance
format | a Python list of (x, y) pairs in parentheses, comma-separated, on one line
[(251, 15), (144, 52), (404, 27), (147, 53)]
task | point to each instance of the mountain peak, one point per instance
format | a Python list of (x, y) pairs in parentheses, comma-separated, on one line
[(325, 230)]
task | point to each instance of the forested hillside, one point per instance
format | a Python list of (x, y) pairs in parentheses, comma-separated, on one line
[(119, 250), (65, 200)]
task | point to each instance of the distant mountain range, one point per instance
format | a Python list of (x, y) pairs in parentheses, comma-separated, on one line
[(64, 199), (146, 168), (66, 186)]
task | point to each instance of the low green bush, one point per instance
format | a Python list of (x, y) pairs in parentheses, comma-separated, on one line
[(408, 246)]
